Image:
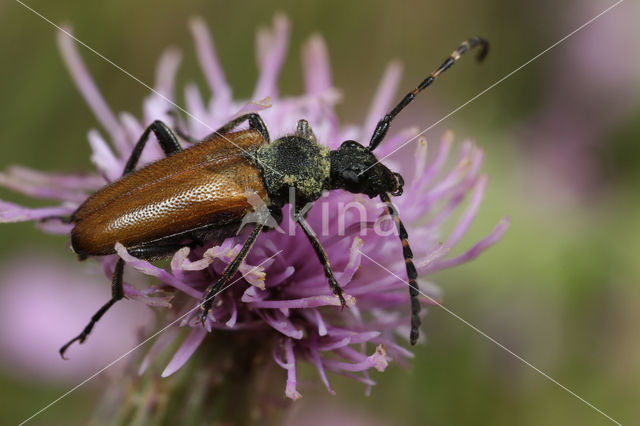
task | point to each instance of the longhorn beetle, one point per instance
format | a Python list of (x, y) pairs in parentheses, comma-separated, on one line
[(200, 193)]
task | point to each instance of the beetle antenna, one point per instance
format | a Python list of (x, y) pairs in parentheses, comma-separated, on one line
[(383, 125), (412, 274)]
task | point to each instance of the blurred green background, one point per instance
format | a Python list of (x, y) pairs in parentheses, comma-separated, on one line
[(561, 138)]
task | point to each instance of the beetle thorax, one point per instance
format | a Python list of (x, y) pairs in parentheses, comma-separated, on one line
[(294, 162)]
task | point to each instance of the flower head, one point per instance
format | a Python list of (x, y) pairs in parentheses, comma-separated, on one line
[(284, 294)]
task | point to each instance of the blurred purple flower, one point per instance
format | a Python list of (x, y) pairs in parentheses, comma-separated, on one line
[(287, 298), (38, 307), (589, 89)]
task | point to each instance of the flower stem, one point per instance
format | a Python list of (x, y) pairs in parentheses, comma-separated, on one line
[(230, 380)]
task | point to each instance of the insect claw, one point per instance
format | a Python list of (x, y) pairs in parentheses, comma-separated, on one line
[(64, 348), (205, 313), (343, 302)]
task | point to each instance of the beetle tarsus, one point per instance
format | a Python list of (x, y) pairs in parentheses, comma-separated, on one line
[(343, 303), (117, 293), (205, 308), (65, 347), (79, 338)]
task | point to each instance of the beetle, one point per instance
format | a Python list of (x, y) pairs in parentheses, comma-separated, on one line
[(200, 193)]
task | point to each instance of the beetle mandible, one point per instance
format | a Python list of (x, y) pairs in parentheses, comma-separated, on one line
[(199, 193)]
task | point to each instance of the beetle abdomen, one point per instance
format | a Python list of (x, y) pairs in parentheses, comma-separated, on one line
[(205, 184)]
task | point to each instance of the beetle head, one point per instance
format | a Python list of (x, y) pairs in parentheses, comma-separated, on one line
[(354, 168)]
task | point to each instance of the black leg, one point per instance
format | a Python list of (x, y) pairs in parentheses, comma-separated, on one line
[(255, 123), (166, 138), (412, 274), (117, 293), (324, 260), (229, 271), (383, 125)]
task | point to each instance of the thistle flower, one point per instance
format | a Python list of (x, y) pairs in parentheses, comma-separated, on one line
[(284, 294)]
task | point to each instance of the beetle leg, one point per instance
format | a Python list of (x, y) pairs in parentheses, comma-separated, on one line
[(229, 271), (117, 293), (412, 274), (255, 123), (324, 260), (166, 138)]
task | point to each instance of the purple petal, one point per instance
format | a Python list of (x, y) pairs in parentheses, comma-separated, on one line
[(443, 152), (420, 160), (132, 128), (452, 178), (365, 380), (149, 269), (467, 217), (166, 72), (478, 248), (385, 95), (290, 390), (256, 105), (208, 59), (197, 112), (149, 296), (350, 339), (277, 359), (10, 212), (317, 70), (78, 182), (180, 262), (282, 324), (355, 258), (188, 347), (234, 313), (315, 359), (391, 346), (318, 321), (103, 158), (274, 279), (165, 338), (377, 360), (89, 90), (55, 226), (434, 254), (306, 302), (39, 186), (271, 48)]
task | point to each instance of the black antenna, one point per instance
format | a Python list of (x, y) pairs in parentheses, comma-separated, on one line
[(383, 125)]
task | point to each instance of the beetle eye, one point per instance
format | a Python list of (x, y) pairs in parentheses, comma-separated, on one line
[(399, 182)]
